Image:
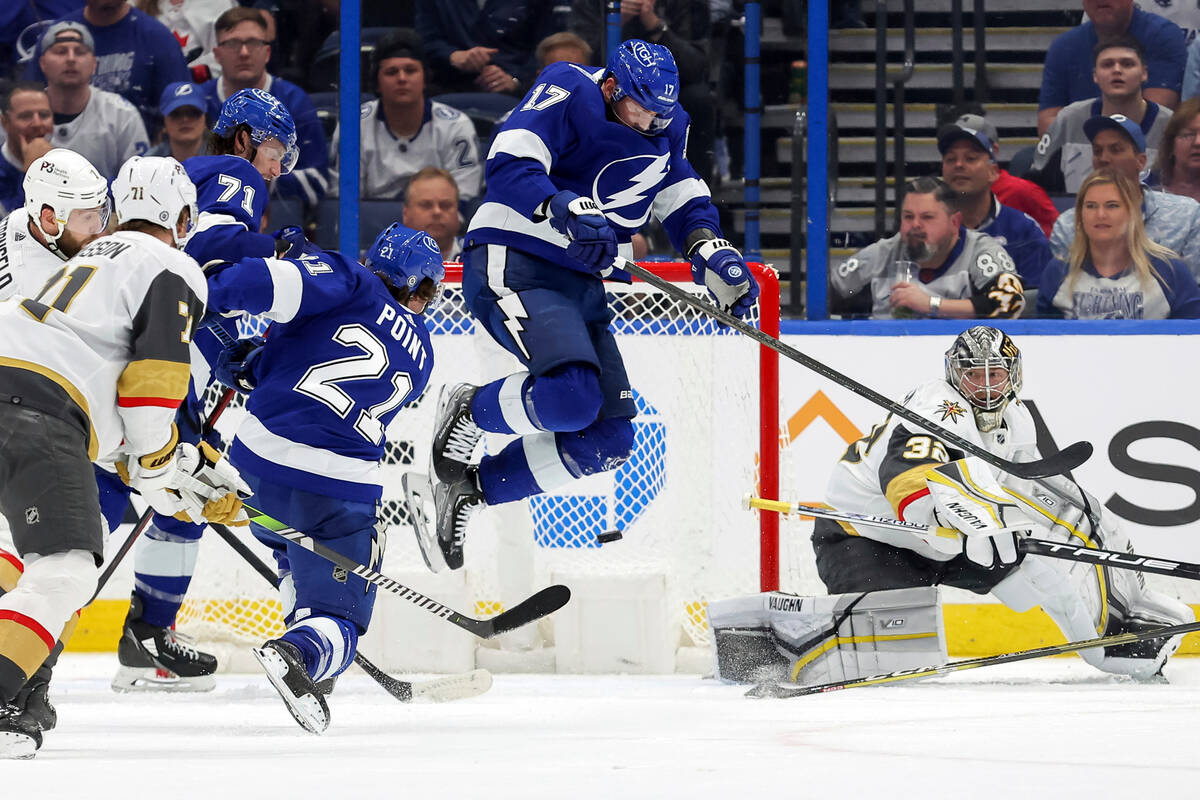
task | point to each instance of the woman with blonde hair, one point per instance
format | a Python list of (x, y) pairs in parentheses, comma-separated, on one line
[(1178, 163), (1113, 270)]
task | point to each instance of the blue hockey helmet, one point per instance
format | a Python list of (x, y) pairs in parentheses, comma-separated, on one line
[(405, 256), (266, 117), (647, 73)]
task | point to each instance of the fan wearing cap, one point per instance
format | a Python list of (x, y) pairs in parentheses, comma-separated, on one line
[(136, 54), (184, 122), (1060, 161), (404, 131), (1171, 220), (101, 126), (969, 168)]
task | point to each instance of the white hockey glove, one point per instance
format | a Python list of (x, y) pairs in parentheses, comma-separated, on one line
[(718, 266), (190, 483), (969, 498)]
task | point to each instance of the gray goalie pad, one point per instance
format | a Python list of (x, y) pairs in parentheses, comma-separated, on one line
[(813, 640)]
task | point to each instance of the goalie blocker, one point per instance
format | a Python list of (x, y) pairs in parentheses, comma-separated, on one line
[(813, 640)]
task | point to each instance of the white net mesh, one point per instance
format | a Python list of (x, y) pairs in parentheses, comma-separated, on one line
[(676, 500)]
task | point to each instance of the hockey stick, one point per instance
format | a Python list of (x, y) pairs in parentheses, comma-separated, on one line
[(534, 607), (1031, 546), (776, 690), (1063, 461), (450, 687), (144, 521)]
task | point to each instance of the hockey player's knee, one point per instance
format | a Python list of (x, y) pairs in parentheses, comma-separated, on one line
[(567, 398), (65, 581), (602, 446)]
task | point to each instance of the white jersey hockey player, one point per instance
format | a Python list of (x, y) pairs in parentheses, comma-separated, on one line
[(92, 369), (66, 206)]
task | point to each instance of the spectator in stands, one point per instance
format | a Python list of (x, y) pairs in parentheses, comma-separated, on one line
[(1170, 219), (242, 51), (136, 55), (191, 23), (1025, 196), (1114, 270), (563, 46), (1184, 13), (683, 27), (961, 273), (101, 126), (184, 122), (969, 168), (484, 47), (404, 131), (1063, 157), (1066, 78), (431, 205), (27, 121), (1178, 164)]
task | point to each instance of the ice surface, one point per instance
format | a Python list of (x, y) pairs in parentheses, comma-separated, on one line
[(1048, 728)]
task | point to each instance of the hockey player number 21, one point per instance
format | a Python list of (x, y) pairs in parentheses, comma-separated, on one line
[(77, 278), (321, 381)]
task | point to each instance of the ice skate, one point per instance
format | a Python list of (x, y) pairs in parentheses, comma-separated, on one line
[(20, 737), (456, 503), (455, 432), (159, 659), (284, 666), (34, 703)]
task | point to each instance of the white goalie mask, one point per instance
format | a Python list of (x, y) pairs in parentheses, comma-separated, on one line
[(984, 366), (65, 181), (155, 189)]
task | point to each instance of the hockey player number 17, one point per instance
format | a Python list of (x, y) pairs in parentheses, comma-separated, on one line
[(321, 381)]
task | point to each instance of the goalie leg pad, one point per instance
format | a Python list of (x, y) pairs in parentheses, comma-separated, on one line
[(813, 640)]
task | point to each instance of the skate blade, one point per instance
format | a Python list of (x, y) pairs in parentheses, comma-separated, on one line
[(17, 746), (309, 712), (153, 679), (418, 493), (453, 687)]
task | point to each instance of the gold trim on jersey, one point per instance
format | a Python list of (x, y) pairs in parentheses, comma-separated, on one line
[(22, 646), (64, 384), (153, 379), (9, 575), (835, 641), (906, 483)]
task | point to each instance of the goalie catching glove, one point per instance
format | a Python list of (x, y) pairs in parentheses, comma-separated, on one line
[(719, 267), (192, 483), (968, 497)]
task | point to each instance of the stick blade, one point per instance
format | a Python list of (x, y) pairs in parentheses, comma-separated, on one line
[(771, 691), (452, 687), (1058, 463), (533, 608)]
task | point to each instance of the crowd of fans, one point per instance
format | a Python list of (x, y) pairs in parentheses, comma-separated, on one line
[(1120, 93)]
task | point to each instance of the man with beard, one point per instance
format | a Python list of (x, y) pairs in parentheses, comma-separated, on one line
[(969, 168), (960, 273)]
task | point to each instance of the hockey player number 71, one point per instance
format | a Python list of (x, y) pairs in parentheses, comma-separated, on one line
[(320, 381)]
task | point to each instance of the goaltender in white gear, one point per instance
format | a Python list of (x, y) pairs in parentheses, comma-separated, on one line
[(899, 470)]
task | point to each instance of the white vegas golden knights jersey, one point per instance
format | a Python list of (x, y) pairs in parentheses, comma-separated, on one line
[(884, 472), (25, 263), (106, 342)]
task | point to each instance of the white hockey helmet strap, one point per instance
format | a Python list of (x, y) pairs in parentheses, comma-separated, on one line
[(64, 181), (156, 189)]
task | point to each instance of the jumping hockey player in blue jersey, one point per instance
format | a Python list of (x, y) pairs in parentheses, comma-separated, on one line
[(254, 142), (576, 170), (346, 350)]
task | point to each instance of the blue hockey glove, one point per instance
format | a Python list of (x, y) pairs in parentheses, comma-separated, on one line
[(593, 241), (717, 265), (235, 365), (290, 242)]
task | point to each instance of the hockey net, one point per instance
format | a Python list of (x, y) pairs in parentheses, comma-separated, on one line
[(706, 434)]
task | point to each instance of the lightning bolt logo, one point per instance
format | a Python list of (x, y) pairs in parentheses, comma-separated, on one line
[(514, 313), (640, 185)]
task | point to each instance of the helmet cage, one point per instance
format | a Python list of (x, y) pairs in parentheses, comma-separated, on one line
[(971, 364)]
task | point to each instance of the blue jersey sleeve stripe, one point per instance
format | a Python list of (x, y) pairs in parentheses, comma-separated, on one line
[(208, 220), (288, 290), (522, 143)]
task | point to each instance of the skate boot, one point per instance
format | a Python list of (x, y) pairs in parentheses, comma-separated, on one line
[(455, 433), (19, 736), (1145, 659), (456, 502), (33, 702), (159, 659), (284, 666)]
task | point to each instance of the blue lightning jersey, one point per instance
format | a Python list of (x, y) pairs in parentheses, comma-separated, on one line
[(231, 196), (562, 137), (342, 358)]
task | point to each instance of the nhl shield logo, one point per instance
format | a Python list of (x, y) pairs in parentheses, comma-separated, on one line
[(32, 517)]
